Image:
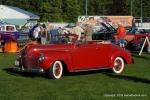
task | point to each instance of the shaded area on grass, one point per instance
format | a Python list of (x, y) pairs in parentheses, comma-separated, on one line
[(144, 55), (104, 71), (88, 72), (11, 71), (141, 56), (129, 78)]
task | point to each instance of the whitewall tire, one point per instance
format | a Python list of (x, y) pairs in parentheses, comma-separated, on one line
[(118, 65), (56, 70)]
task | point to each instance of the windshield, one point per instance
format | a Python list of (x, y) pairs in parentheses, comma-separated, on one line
[(108, 26), (62, 39)]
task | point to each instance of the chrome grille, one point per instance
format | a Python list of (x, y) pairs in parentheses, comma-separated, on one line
[(30, 62)]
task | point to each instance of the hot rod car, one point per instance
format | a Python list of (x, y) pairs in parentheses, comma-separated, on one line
[(68, 53), (134, 36)]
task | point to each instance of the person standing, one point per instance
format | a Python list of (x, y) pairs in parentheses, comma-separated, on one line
[(78, 30), (121, 35), (44, 34), (88, 33), (36, 33), (31, 32)]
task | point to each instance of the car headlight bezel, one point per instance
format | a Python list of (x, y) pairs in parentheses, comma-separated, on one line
[(41, 57)]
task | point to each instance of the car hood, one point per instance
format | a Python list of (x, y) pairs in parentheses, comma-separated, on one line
[(48, 48)]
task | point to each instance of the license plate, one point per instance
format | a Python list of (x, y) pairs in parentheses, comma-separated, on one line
[(16, 63)]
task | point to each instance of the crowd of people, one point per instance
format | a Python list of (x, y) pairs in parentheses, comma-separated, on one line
[(43, 35), (39, 33)]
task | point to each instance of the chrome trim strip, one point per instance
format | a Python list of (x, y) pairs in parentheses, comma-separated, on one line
[(28, 70)]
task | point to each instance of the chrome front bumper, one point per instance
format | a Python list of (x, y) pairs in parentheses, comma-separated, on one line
[(28, 70), (20, 68)]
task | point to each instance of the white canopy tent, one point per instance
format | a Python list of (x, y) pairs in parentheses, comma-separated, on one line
[(15, 15)]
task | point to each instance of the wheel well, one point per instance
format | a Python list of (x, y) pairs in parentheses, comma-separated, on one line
[(64, 66), (124, 60)]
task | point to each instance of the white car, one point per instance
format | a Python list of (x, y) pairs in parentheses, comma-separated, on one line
[(7, 28)]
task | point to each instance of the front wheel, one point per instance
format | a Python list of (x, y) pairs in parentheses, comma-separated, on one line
[(56, 70), (118, 65)]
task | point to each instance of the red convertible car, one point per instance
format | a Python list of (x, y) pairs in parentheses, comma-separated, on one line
[(65, 52)]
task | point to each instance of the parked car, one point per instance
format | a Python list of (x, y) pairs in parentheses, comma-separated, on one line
[(8, 30), (67, 53), (104, 32), (135, 38)]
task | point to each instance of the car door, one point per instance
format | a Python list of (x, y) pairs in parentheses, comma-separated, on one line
[(88, 56)]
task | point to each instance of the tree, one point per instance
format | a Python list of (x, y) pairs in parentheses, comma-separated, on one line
[(118, 7), (71, 10), (146, 8), (98, 7)]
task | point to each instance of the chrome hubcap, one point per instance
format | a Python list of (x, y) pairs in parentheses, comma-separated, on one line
[(57, 69), (118, 65)]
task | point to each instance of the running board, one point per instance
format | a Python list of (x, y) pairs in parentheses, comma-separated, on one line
[(90, 69)]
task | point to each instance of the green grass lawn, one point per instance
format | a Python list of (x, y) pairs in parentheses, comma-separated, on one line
[(132, 84)]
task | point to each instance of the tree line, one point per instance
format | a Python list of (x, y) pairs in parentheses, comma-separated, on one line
[(69, 10)]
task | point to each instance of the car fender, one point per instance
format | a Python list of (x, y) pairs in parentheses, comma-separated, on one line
[(50, 58), (126, 57)]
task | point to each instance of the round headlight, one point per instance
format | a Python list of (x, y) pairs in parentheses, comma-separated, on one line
[(41, 57)]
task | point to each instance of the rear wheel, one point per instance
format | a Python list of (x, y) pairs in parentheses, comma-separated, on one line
[(56, 70), (118, 65)]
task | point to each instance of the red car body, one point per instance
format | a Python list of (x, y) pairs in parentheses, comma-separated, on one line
[(73, 56), (133, 38)]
